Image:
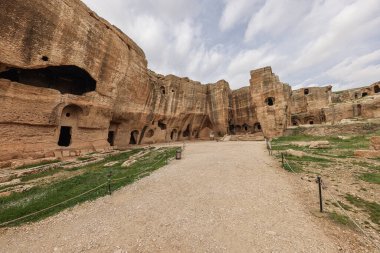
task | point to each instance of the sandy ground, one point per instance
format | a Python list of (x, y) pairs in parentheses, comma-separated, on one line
[(221, 197)]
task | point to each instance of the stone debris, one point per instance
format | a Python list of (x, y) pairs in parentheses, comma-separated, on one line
[(311, 144), (110, 164), (319, 144), (296, 153), (375, 142), (374, 152)]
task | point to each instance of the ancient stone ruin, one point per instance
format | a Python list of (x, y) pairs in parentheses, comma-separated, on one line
[(71, 83)]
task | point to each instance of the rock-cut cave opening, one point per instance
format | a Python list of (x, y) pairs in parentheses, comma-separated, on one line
[(376, 89), (134, 137), (66, 79), (64, 136)]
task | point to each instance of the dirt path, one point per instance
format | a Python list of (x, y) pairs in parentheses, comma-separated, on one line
[(222, 197)]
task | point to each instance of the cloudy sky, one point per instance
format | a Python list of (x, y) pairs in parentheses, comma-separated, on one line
[(307, 42)]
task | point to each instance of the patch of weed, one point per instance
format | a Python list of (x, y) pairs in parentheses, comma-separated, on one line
[(292, 167), (308, 159), (340, 219), (344, 206), (371, 177), (372, 208), (40, 175), (84, 158)]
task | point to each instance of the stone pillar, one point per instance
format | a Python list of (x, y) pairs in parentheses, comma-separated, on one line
[(271, 99)]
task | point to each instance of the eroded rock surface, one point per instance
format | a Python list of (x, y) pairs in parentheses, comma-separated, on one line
[(71, 83)]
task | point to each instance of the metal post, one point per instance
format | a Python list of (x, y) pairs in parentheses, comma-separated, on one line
[(282, 159), (319, 181), (109, 182)]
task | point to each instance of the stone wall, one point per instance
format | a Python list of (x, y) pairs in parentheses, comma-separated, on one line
[(243, 117), (307, 105)]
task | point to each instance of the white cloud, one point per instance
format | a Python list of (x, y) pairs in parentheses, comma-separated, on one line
[(307, 42), (350, 27), (236, 12), (276, 18), (364, 69)]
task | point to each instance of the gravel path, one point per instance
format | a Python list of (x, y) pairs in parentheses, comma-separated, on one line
[(221, 197)]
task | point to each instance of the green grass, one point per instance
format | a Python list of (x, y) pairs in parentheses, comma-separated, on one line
[(341, 219), (40, 197), (338, 149), (40, 175), (288, 146), (83, 158), (307, 159), (371, 177), (367, 165), (294, 167), (353, 143), (36, 164), (372, 208), (293, 138), (344, 206), (340, 154), (3, 188)]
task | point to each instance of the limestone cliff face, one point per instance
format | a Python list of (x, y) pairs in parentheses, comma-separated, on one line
[(62, 65), (307, 105), (271, 99), (244, 117), (71, 83), (219, 106)]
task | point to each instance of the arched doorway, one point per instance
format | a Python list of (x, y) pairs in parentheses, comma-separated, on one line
[(112, 132), (245, 127), (359, 110), (173, 135), (68, 124), (257, 127), (186, 133)]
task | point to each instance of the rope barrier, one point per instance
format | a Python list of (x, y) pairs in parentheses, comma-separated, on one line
[(50, 207), (82, 194), (353, 221), (286, 161), (343, 210)]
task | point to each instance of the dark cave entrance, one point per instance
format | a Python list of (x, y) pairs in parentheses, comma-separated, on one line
[(66, 79), (376, 89), (134, 136), (186, 133), (257, 127), (173, 134), (111, 138), (359, 110), (64, 136), (161, 125)]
